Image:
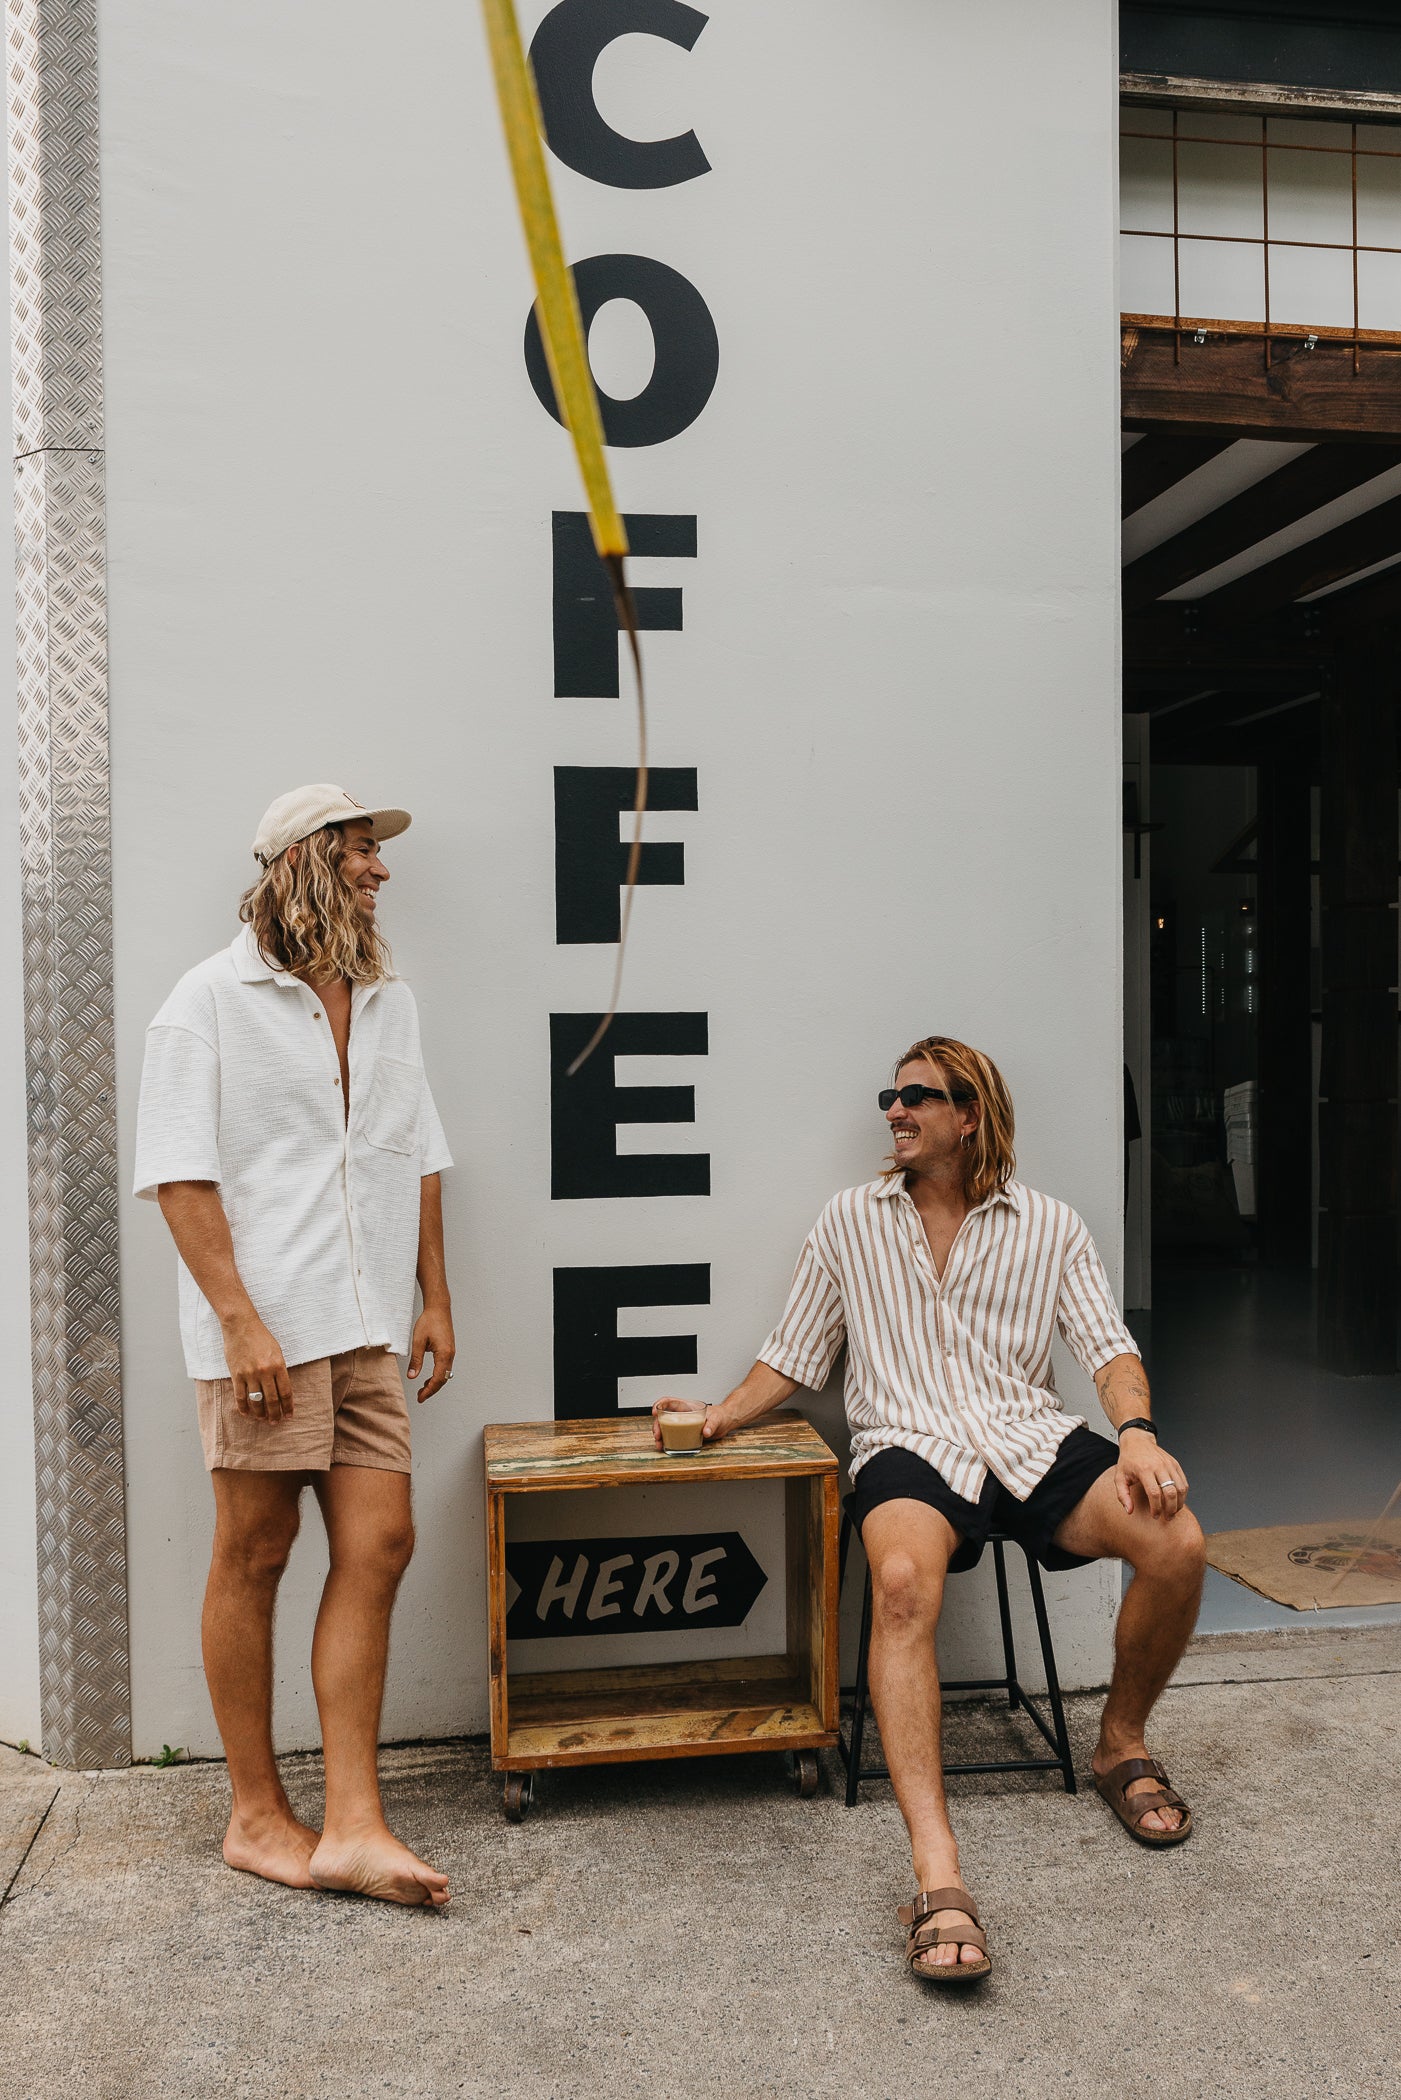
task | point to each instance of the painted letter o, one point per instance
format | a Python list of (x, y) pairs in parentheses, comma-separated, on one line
[(687, 348)]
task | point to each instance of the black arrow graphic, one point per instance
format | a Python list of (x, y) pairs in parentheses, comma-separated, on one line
[(631, 1585)]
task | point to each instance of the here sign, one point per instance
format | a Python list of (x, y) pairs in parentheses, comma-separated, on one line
[(630, 1585)]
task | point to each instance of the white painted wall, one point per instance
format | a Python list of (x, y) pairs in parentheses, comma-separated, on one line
[(19, 1592), (330, 489)]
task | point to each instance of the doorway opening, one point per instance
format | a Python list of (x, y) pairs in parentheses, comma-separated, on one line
[(1261, 1055), (1262, 670)]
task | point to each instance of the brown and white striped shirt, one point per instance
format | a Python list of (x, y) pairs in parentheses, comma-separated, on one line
[(957, 1371)]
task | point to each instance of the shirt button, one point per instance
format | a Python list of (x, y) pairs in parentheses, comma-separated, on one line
[(335, 1082)]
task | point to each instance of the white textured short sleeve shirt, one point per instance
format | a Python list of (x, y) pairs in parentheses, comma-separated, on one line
[(241, 1086), (958, 1369)]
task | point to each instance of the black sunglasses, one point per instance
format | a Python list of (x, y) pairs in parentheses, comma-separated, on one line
[(910, 1096)]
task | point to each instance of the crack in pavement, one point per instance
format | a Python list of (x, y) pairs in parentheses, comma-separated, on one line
[(33, 1840), (15, 1895)]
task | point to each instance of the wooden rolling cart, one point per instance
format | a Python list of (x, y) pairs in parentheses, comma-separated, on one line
[(677, 1709)]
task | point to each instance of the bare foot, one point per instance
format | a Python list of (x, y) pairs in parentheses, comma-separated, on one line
[(277, 1847), (373, 1863)]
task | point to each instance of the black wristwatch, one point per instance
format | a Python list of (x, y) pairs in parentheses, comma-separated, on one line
[(1138, 1422)]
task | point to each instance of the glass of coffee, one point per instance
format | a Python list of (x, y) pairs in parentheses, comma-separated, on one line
[(681, 1432)]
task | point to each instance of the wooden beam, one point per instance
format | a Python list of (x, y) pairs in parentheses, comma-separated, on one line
[(1293, 491), (1373, 537), (1224, 388), (1264, 97), (1155, 464)]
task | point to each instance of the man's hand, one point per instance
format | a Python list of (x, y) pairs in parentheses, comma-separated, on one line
[(753, 1396), (1145, 1469), (262, 1387), (194, 1212), (716, 1422), (433, 1336)]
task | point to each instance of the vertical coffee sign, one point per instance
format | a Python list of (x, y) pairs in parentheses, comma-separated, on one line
[(590, 1356)]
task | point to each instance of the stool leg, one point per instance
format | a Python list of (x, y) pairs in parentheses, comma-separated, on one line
[(843, 1548), (1048, 1657), (1004, 1612), (858, 1704)]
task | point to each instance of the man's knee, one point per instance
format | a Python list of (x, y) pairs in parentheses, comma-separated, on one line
[(397, 1547), (255, 1549), (1174, 1551), (906, 1592), (383, 1549)]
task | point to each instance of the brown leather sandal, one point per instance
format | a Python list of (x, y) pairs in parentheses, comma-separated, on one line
[(924, 1934), (1131, 1809)]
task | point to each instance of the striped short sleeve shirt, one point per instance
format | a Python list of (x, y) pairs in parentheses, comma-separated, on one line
[(956, 1370)]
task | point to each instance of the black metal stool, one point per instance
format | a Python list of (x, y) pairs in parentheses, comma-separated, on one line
[(1055, 1733)]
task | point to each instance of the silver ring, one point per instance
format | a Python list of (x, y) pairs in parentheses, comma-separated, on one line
[(255, 1396), (1167, 1483)]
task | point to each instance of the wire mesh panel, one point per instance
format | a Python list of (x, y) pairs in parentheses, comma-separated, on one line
[(1261, 226), (66, 878)]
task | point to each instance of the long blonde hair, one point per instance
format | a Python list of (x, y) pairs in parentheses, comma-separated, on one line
[(973, 1078), (307, 919)]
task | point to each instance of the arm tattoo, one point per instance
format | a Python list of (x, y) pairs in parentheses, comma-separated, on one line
[(1123, 1389)]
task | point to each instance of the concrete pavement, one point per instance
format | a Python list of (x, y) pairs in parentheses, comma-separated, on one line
[(694, 1929)]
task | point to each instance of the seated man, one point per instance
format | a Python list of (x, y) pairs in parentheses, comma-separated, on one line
[(947, 1280)]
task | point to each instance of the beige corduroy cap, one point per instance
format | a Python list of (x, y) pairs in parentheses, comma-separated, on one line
[(306, 809)]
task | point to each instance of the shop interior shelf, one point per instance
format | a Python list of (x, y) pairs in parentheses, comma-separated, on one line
[(757, 1702)]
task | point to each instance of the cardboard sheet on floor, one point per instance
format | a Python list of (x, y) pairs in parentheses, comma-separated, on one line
[(1300, 1564)]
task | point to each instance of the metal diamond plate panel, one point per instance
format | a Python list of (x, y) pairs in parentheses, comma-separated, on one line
[(55, 257), (67, 881)]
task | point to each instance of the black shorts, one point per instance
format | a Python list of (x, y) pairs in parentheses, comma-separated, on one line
[(900, 1476)]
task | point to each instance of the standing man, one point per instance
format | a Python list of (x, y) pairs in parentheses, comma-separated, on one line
[(947, 1280), (287, 1131)]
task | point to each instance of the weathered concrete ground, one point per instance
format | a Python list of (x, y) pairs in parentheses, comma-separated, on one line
[(696, 1929)]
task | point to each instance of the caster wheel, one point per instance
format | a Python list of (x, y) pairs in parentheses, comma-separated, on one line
[(518, 1794), (805, 1773)]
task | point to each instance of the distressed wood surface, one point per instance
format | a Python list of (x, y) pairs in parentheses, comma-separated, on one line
[(672, 1690), (496, 1613), (696, 1731), (1223, 386), (676, 1709), (521, 1456), (824, 1597), (653, 1680)]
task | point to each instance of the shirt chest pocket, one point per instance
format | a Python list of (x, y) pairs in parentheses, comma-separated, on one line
[(392, 1110)]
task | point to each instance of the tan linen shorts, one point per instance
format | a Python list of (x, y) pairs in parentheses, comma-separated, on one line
[(347, 1410)]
